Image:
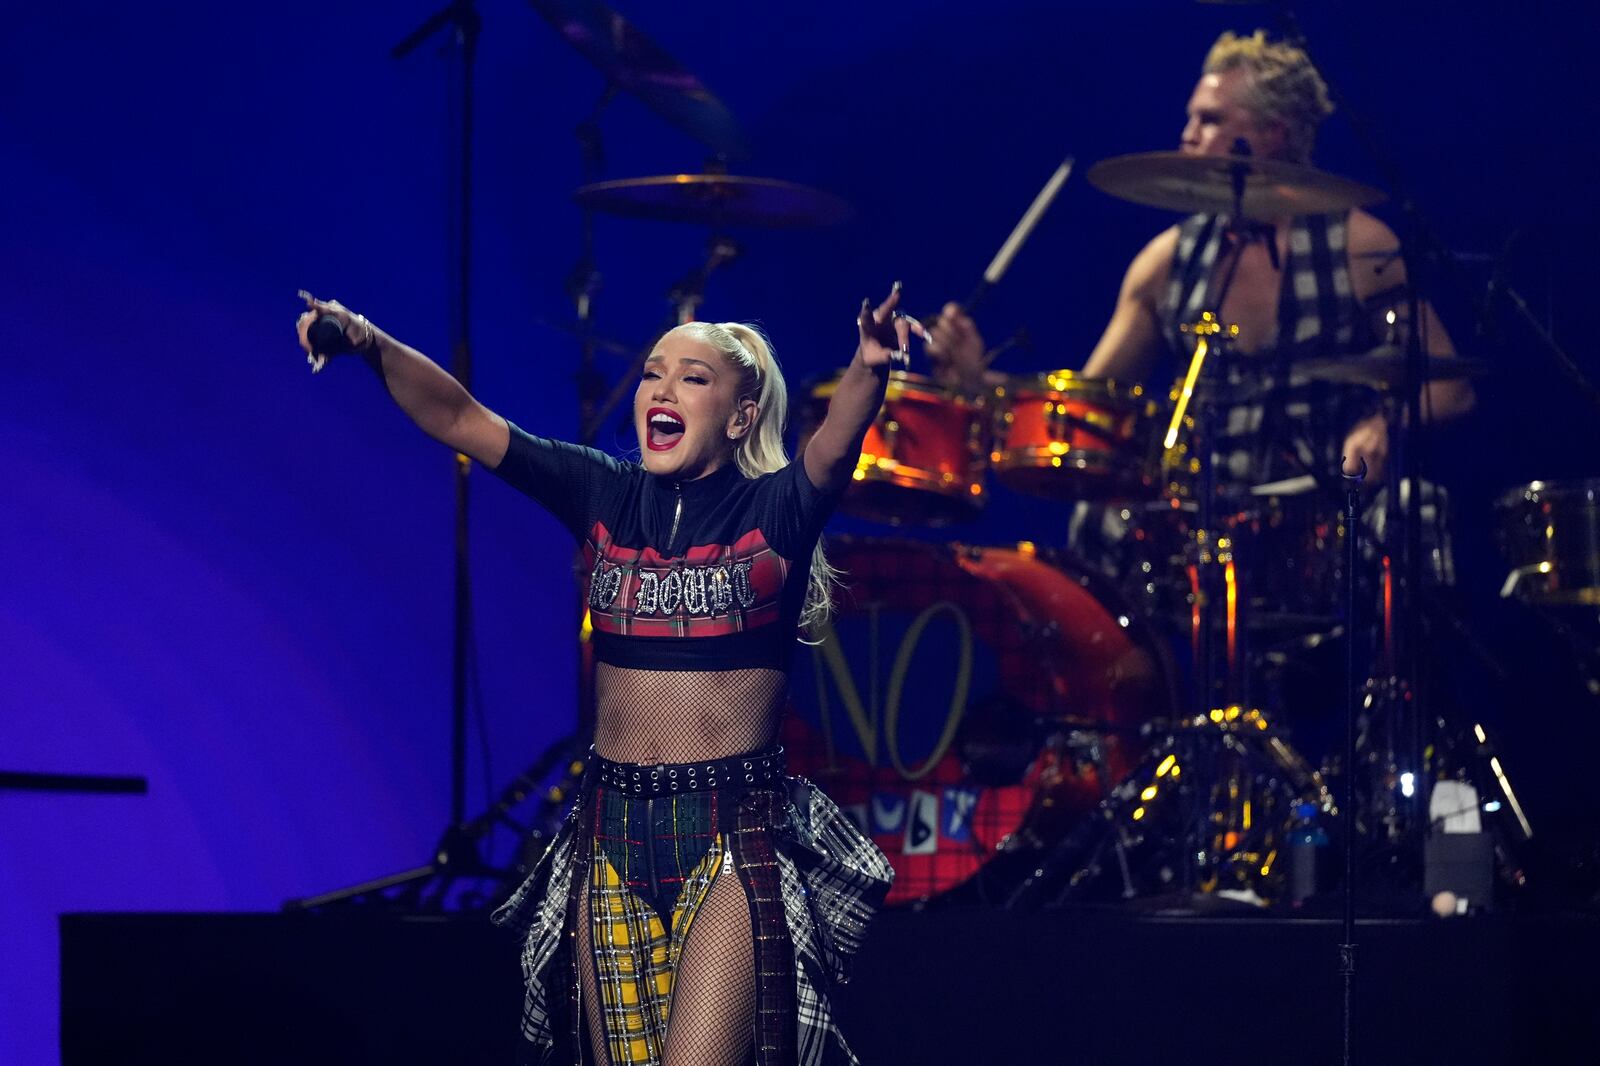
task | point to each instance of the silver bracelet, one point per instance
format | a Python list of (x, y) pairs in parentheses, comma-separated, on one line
[(369, 336)]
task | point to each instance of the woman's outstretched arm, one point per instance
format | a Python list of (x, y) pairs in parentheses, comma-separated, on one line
[(425, 391), (882, 341)]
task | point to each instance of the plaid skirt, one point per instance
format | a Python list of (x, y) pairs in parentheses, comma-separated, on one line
[(813, 880)]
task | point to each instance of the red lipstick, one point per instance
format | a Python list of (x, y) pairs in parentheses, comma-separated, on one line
[(663, 429)]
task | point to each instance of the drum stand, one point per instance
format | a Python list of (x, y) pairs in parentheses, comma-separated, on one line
[(1081, 855), (1208, 810)]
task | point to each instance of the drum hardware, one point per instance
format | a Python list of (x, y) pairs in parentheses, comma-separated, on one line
[(1227, 771), (1214, 594), (1020, 338), (1549, 531), (685, 297)]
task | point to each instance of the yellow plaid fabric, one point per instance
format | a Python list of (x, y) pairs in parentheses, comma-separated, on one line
[(636, 958)]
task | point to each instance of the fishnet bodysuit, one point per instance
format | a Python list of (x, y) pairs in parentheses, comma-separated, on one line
[(654, 716), (676, 716)]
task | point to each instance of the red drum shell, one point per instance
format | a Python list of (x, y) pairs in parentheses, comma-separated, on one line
[(1064, 437), (924, 457)]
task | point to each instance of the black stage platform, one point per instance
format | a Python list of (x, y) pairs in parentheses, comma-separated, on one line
[(942, 986)]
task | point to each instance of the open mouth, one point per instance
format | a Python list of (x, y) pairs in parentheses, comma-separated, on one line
[(663, 429)]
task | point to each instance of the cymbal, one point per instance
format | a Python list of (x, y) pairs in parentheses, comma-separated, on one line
[(633, 62), (716, 200), (1203, 184), (1385, 368)]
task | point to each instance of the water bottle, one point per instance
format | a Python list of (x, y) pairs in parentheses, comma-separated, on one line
[(1306, 840)]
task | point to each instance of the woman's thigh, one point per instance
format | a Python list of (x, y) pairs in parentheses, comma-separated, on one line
[(712, 1021)]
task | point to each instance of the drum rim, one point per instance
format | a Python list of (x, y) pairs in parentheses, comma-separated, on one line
[(904, 383), (1073, 382), (1581, 490), (1011, 459)]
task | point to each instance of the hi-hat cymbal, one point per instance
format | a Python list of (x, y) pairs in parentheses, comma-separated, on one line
[(633, 62), (1385, 368), (1203, 184), (716, 200)]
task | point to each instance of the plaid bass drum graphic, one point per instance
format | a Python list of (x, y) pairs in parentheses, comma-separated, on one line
[(711, 590)]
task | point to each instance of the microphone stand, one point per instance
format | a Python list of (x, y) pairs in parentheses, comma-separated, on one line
[(456, 854), (1419, 248), (685, 296), (1354, 684), (582, 286), (1560, 356)]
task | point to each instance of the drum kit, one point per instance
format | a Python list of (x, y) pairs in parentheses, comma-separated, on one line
[(1087, 733), (1018, 725)]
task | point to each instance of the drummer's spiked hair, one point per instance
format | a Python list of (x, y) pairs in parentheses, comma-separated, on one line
[(1284, 86), (761, 451)]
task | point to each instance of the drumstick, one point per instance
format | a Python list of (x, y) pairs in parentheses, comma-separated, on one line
[(1020, 233)]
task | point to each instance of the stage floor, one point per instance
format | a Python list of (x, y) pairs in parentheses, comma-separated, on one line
[(958, 986)]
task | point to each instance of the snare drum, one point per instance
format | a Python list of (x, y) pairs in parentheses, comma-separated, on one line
[(923, 460), (1550, 531), (1066, 437)]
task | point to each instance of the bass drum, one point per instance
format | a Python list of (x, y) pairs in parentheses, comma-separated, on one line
[(965, 703)]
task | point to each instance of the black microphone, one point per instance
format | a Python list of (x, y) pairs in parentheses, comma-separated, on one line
[(328, 338)]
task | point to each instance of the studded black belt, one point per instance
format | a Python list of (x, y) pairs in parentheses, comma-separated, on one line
[(663, 779)]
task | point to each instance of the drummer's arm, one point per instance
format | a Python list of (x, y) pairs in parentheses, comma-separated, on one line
[(1373, 273), (1132, 338)]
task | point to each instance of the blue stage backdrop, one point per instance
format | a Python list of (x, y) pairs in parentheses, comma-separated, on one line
[(235, 579)]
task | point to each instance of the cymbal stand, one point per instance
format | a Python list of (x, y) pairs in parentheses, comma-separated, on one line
[(1213, 549), (584, 281), (552, 778), (1563, 360), (1079, 857), (685, 295)]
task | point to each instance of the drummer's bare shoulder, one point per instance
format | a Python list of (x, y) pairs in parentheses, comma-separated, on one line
[(1152, 267), (1133, 336), (1378, 281), (1373, 270)]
